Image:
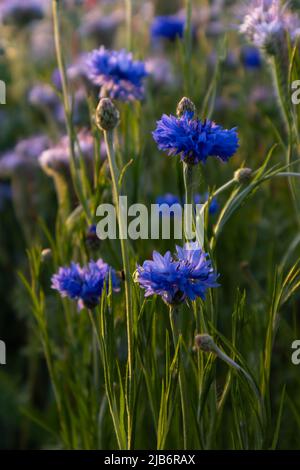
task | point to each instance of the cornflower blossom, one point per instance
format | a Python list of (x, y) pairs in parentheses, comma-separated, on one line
[(85, 284), (167, 27), (251, 57), (117, 74), (194, 140)]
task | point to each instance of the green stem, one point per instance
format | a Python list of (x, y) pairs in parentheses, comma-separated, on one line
[(60, 60), (128, 5), (126, 265), (107, 381), (108, 136), (188, 40), (181, 378), (189, 192), (67, 109)]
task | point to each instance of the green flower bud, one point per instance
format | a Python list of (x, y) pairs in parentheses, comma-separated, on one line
[(185, 105), (205, 343), (243, 175), (107, 115), (46, 254)]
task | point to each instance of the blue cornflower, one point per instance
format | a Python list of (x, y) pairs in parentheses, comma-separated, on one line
[(119, 76), (251, 57), (186, 275), (21, 12), (168, 199), (194, 140), (68, 281), (84, 284), (167, 27)]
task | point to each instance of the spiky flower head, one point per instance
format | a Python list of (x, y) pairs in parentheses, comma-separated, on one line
[(107, 115), (85, 284), (118, 75), (186, 275), (194, 140), (267, 22), (58, 158)]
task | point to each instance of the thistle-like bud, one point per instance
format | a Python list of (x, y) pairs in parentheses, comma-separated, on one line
[(243, 175), (107, 115), (205, 343), (185, 105)]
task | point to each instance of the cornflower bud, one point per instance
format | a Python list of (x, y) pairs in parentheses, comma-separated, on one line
[(185, 105), (107, 115), (243, 175)]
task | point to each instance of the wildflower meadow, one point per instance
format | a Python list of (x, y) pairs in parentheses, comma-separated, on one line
[(150, 225)]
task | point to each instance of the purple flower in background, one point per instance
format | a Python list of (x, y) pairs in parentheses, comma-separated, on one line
[(194, 140), (43, 95), (56, 79), (32, 147), (91, 237), (77, 71), (5, 194), (42, 49), (118, 75), (160, 71), (68, 281), (167, 27), (26, 152), (57, 158), (186, 275), (100, 27), (85, 284), (21, 12), (168, 199)]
